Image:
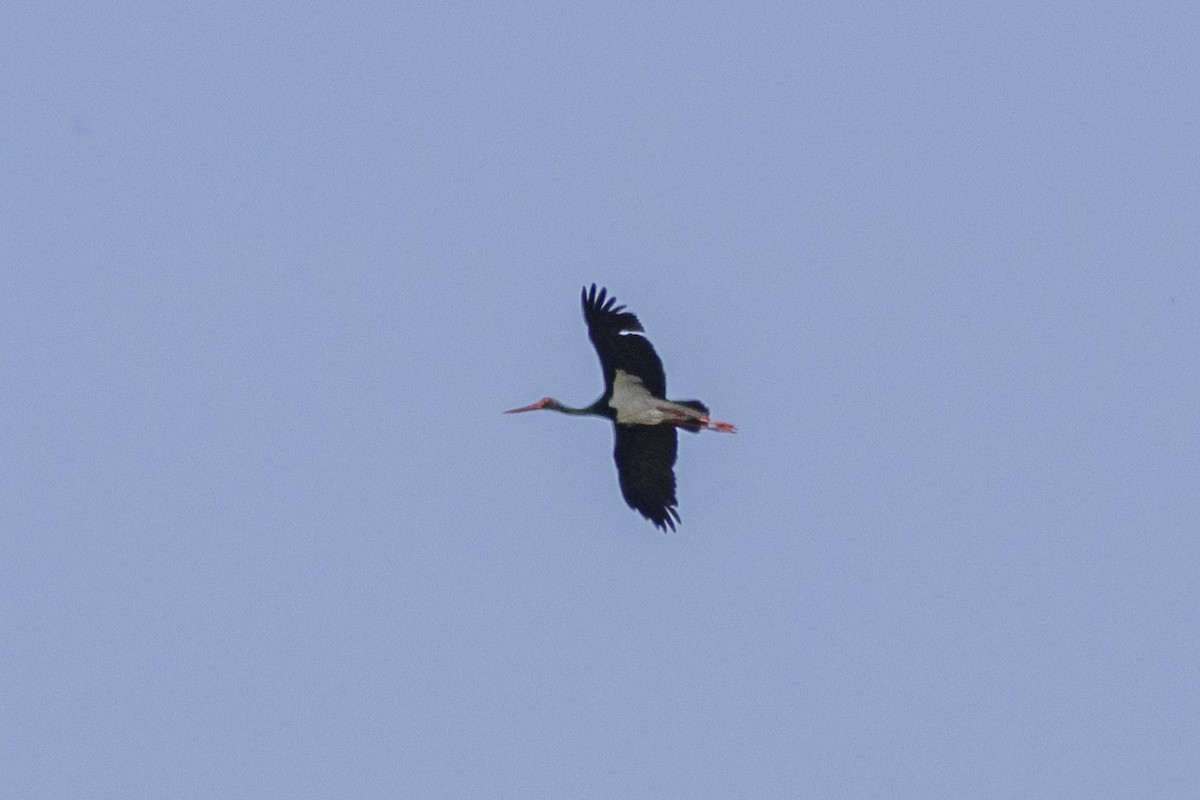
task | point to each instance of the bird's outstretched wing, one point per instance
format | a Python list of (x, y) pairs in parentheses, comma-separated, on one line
[(616, 335), (645, 456)]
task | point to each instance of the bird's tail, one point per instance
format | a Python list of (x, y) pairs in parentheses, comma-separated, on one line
[(695, 426)]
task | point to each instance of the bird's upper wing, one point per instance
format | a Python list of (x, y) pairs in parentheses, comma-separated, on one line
[(645, 456), (615, 333)]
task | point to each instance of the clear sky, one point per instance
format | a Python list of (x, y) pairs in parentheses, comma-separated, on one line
[(269, 272)]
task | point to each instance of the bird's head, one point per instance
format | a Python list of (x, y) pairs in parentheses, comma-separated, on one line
[(545, 402)]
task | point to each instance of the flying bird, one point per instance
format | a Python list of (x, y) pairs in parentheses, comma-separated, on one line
[(634, 400)]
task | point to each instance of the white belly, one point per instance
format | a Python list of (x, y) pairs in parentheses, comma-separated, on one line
[(633, 403)]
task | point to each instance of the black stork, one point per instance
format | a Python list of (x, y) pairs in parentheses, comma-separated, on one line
[(644, 422)]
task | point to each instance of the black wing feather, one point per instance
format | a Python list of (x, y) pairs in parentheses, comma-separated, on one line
[(645, 456), (615, 333)]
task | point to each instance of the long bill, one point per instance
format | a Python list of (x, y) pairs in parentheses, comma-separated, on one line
[(531, 407)]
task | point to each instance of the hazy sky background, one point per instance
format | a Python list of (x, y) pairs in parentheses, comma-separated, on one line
[(269, 273)]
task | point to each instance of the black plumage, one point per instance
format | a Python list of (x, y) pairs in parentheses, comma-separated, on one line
[(644, 422)]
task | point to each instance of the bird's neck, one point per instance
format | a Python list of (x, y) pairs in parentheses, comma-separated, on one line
[(596, 409)]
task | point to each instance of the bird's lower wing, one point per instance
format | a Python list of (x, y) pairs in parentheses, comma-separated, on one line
[(645, 456)]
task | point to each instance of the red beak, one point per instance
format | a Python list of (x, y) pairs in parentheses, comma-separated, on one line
[(530, 407)]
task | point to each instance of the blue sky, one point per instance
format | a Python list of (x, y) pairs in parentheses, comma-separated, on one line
[(270, 273)]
